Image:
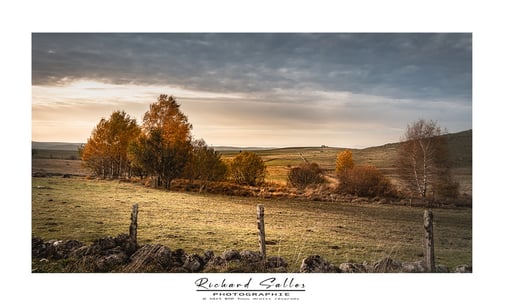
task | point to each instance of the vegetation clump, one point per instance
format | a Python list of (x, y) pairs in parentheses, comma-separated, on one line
[(247, 168), (304, 175), (361, 180)]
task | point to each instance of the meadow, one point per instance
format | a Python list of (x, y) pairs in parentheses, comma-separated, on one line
[(87, 209)]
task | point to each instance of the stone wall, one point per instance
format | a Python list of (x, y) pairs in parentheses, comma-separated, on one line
[(120, 254)]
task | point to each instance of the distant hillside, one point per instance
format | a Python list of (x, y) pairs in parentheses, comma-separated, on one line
[(460, 150), (59, 146), (231, 149)]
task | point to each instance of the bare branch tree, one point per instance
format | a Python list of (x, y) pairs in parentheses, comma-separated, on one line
[(423, 157)]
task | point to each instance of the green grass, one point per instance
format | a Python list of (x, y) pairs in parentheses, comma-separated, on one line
[(340, 232)]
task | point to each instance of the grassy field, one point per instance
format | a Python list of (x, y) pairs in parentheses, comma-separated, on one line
[(85, 210), (384, 157)]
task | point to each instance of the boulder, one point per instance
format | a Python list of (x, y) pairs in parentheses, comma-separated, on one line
[(384, 265), (463, 269), (316, 264), (178, 258), (230, 255), (54, 249), (193, 263), (150, 258), (413, 267), (352, 268), (251, 257), (276, 262)]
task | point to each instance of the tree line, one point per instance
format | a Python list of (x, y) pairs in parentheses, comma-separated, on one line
[(163, 148)]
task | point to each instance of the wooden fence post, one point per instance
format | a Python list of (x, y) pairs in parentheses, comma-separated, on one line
[(260, 214), (133, 224), (429, 242)]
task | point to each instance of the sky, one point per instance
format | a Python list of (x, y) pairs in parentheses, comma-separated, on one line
[(255, 89)]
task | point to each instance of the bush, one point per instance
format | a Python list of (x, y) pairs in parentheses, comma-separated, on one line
[(447, 187), (365, 181), (305, 175), (247, 168)]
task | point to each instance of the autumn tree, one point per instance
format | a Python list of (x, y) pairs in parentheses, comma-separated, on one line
[(247, 168), (205, 164), (106, 151), (423, 159), (164, 147), (344, 162)]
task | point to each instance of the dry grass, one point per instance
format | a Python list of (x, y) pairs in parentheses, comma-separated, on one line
[(340, 232)]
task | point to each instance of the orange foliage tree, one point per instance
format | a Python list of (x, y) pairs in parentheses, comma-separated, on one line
[(106, 151), (344, 162), (164, 147)]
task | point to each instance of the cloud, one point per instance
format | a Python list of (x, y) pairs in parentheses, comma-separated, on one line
[(260, 62), (262, 81)]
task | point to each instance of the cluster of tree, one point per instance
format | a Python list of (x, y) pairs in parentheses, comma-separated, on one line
[(162, 147)]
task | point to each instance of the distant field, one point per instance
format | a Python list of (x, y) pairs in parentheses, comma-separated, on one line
[(85, 210), (59, 166), (279, 161)]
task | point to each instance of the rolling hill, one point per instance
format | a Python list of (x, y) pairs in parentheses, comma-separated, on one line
[(279, 160)]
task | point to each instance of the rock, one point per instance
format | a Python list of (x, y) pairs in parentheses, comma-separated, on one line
[(208, 255), (229, 255), (105, 243), (441, 269), (194, 263), (178, 258), (352, 268), (276, 262), (215, 264), (413, 267), (109, 262), (54, 249), (251, 257), (150, 258), (126, 244), (316, 264), (463, 269), (384, 265)]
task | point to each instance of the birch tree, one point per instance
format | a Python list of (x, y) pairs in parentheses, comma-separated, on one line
[(423, 157)]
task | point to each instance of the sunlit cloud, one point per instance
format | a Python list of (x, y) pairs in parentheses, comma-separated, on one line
[(256, 89)]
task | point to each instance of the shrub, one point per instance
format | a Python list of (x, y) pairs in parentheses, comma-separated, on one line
[(447, 187), (247, 168), (305, 175), (365, 181)]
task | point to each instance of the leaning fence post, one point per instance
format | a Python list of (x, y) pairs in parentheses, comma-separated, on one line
[(429, 245), (133, 224), (260, 214)]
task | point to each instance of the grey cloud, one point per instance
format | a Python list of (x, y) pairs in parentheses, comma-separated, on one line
[(421, 66)]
